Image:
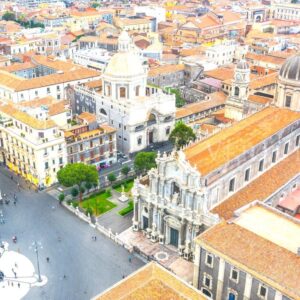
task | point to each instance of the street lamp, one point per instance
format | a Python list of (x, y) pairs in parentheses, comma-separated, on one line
[(36, 247)]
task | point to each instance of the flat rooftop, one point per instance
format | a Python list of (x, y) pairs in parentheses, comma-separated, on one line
[(276, 228)]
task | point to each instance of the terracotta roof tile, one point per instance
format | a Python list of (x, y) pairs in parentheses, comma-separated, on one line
[(151, 281), (216, 99), (215, 151), (262, 187), (263, 259)]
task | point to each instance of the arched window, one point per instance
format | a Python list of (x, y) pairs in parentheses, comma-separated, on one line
[(122, 92), (236, 91), (137, 90)]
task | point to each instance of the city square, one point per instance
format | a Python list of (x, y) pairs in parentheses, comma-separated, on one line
[(89, 266)]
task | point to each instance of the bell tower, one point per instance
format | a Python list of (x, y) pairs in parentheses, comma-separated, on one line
[(236, 102)]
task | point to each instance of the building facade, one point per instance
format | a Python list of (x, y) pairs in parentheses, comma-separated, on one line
[(176, 202), (142, 115), (250, 269)]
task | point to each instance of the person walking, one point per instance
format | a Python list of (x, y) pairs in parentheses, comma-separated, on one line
[(48, 259)]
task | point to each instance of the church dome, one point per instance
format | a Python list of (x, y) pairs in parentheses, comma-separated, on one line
[(242, 65), (290, 70), (125, 64)]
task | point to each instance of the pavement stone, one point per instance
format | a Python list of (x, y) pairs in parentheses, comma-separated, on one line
[(90, 266)]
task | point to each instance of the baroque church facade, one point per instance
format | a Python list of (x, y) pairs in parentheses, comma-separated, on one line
[(142, 114), (173, 205)]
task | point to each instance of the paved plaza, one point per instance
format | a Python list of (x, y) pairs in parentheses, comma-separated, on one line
[(166, 255), (79, 268)]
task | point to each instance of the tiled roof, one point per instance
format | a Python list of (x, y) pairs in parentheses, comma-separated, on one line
[(265, 58), (263, 259), (18, 67), (88, 117), (165, 69), (220, 73), (259, 99), (261, 82), (292, 201), (214, 152), (151, 282), (262, 187), (19, 84), (25, 118), (216, 99)]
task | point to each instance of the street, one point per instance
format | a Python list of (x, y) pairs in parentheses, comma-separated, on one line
[(89, 266), (117, 167)]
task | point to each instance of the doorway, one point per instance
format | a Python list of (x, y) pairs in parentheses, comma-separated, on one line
[(145, 222), (174, 237)]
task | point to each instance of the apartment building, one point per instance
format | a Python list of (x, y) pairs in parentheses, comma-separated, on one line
[(253, 256), (90, 142), (32, 144)]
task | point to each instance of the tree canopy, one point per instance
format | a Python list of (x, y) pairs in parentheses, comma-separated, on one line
[(181, 135), (9, 16), (144, 161), (125, 170), (76, 174), (112, 177)]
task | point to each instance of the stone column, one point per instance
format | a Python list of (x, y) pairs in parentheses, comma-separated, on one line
[(150, 220), (135, 225), (248, 287), (220, 279)]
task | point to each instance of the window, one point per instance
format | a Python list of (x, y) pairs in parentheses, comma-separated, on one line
[(207, 281), (274, 156), (36, 93), (234, 275), (122, 92), (297, 140), (46, 165), (209, 260), (247, 174), (231, 185), (48, 90), (206, 292), (236, 91), (168, 131), (91, 144), (137, 90), (60, 160), (139, 141), (261, 166), (288, 99), (262, 291), (81, 147), (286, 148)]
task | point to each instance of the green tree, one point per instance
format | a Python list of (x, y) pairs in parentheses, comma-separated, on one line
[(88, 186), (61, 197), (144, 161), (9, 16), (125, 170), (181, 135), (77, 174), (82, 189), (74, 192), (95, 5), (111, 177), (179, 100)]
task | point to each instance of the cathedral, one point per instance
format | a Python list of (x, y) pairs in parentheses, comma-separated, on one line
[(142, 114), (178, 199)]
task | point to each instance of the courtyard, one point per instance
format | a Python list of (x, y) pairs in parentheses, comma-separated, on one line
[(78, 267)]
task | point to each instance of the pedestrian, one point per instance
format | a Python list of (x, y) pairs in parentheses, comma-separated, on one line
[(18, 186), (12, 177), (12, 284), (15, 203), (16, 265), (65, 277), (19, 284), (48, 259), (129, 259), (123, 276)]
